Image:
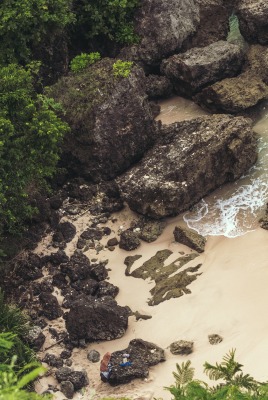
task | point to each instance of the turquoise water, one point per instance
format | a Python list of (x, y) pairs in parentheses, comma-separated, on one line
[(236, 208)]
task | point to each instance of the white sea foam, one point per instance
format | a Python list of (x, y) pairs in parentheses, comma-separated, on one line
[(235, 209)]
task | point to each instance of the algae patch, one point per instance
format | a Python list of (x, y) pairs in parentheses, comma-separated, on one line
[(169, 281)]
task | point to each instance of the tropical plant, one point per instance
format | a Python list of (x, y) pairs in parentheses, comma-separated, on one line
[(122, 68), (82, 61), (30, 134)]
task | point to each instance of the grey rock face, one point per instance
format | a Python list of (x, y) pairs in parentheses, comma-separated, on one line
[(96, 319), (163, 26), (253, 20), (110, 118), (93, 356), (199, 67), (189, 161), (79, 379), (35, 338), (190, 238), (129, 240), (158, 86)]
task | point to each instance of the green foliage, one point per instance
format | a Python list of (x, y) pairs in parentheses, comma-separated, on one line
[(25, 23), (122, 68), (14, 325), (235, 386), (109, 18), (30, 133), (82, 61)]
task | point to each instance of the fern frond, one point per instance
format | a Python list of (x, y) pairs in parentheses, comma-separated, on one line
[(214, 372), (246, 381), (184, 374)]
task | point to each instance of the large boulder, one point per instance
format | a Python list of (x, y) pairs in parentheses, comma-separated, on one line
[(233, 95), (213, 25), (162, 26), (96, 319), (253, 20), (189, 238), (190, 160), (141, 355), (110, 118), (199, 67)]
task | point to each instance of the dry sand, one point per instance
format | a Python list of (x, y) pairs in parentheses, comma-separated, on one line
[(229, 298)]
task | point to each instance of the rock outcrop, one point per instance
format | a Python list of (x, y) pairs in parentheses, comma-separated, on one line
[(110, 118), (253, 20), (162, 27), (141, 354), (96, 319), (190, 160), (190, 238), (199, 67)]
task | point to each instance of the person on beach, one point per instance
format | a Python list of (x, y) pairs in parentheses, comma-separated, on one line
[(126, 362), (105, 367)]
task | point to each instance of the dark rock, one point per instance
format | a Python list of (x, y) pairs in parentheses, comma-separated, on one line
[(99, 271), (129, 240), (215, 338), (93, 356), (53, 361), (35, 338), (77, 268), (67, 388), (162, 27), (158, 87), (181, 347), (78, 378), (139, 316), (106, 230), (107, 289), (155, 107), (59, 280), (68, 230), (56, 201), (112, 242), (114, 126), (68, 362), (164, 183), (233, 95), (148, 230), (190, 238), (142, 355), (57, 258), (29, 267), (70, 295), (200, 67), (129, 261), (92, 234), (213, 25), (253, 20), (81, 243), (50, 305), (88, 286), (65, 354), (256, 62), (99, 319)]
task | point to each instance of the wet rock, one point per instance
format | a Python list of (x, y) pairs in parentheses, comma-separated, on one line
[(181, 347), (158, 87), (93, 356), (35, 338), (53, 361), (190, 238), (129, 261), (162, 27), (233, 95), (142, 355), (96, 319), (253, 20), (114, 126), (196, 68), (50, 306), (140, 315), (129, 240), (79, 379), (215, 338), (67, 388), (165, 183)]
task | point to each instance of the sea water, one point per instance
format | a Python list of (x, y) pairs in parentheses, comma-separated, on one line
[(236, 208)]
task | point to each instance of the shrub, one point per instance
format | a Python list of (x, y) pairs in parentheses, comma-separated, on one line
[(82, 61), (122, 68)]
